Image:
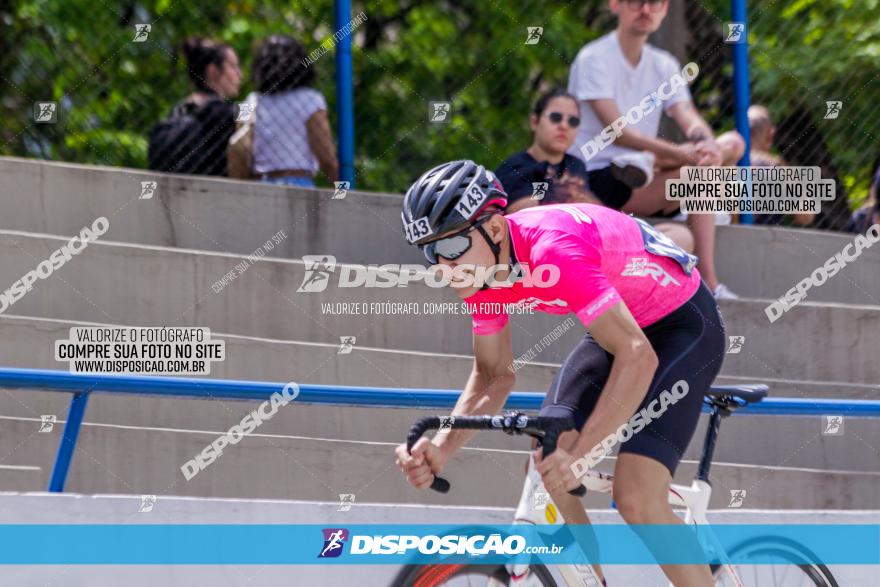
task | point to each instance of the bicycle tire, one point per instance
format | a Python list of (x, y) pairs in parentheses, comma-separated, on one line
[(777, 546), (436, 575)]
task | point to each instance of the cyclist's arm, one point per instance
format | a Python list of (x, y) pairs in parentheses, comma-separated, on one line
[(488, 386), (632, 370), (607, 111)]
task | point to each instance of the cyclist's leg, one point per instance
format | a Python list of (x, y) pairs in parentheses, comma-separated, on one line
[(641, 490), (574, 394), (678, 233), (690, 346)]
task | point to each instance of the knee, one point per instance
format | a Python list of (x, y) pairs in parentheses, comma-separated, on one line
[(679, 234), (637, 506), (733, 145)]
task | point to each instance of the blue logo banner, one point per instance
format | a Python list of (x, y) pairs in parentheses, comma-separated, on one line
[(243, 544)]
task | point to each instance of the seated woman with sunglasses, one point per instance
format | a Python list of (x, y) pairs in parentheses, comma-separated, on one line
[(651, 325), (554, 121), (546, 164)]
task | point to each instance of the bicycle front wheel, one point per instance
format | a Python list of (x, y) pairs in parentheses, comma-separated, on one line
[(773, 562), (470, 576)]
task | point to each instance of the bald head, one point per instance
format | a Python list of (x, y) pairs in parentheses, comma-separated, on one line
[(761, 127)]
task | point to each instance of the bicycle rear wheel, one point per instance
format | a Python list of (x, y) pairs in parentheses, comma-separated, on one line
[(469, 576), (798, 571)]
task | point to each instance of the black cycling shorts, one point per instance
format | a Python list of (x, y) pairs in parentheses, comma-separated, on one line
[(690, 345)]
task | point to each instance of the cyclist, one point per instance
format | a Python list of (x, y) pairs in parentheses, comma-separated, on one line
[(651, 323)]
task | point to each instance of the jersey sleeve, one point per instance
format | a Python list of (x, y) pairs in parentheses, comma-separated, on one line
[(588, 78), (485, 322), (582, 285)]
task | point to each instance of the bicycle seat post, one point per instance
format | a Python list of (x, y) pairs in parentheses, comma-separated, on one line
[(709, 443)]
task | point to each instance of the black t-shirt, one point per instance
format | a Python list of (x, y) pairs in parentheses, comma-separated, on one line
[(194, 138), (218, 123), (518, 172)]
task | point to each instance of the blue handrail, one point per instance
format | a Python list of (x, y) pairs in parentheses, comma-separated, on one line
[(82, 385)]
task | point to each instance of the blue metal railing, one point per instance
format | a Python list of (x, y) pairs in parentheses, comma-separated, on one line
[(83, 385)]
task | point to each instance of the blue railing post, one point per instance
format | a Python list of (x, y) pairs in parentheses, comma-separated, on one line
[(738, 12), (68, 440), (344, 93)]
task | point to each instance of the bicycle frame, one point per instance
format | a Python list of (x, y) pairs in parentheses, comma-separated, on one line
[(536, 507)]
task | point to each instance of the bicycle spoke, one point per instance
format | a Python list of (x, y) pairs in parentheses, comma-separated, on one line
[(765, 570)]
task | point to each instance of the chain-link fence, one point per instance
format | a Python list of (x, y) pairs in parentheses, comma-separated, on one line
[(434, 81), (166, 85), (813, 66)]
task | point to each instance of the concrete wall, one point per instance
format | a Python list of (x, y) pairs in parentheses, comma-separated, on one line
[(29, 343), (138, 444), (141, 285), (112, 509), (237, 217), (121, 423), (195, 212), (135, 445), (761, 262)]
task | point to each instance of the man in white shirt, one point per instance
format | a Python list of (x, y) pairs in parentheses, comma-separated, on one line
[(621, 75)]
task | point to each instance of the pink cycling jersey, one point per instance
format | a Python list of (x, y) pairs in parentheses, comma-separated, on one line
[(602, 260)]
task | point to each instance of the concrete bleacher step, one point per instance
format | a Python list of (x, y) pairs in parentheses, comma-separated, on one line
[(150, 286), (237, 217), (135, 460), (197, 212), (28, 342), (762, 262)]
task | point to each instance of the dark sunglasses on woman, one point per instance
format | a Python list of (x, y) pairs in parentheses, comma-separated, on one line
[(556, 118)]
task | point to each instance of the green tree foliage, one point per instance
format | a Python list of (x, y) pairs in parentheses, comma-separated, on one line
[(111, 91), (804, 53), (472, 54)]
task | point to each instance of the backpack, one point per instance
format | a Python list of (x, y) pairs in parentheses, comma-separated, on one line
[(174, 144)]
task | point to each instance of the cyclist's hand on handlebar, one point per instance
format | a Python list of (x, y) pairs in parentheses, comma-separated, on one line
[(420, 466), (556, 470)]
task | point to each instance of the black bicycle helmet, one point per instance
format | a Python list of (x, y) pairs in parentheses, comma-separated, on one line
[(448, 197)]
